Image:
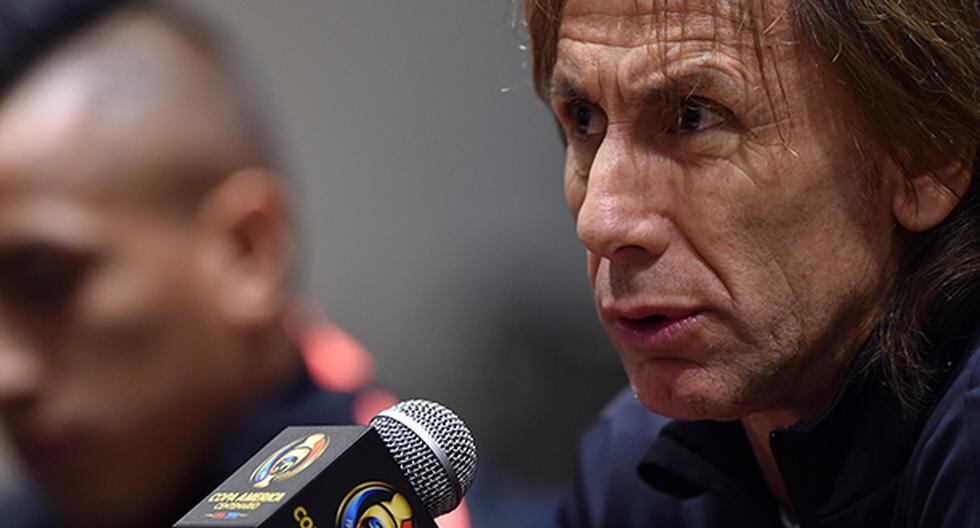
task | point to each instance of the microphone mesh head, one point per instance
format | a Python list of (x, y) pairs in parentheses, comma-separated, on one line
[(440, 490)]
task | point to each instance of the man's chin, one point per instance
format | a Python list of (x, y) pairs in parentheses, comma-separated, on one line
[(688, 397), (693, 410)]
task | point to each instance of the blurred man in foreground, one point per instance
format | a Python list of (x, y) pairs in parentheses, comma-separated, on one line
[(144, 263), (782, 217)]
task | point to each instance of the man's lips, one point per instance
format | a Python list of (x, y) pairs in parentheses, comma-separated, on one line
[(652, 327)]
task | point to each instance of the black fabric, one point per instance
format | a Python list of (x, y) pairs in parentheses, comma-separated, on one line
[(848, 465), (299, 403), (865, 463), (725, 472)]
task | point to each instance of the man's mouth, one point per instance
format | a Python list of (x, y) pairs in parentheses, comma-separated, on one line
[(649, 319), (652, 328), (644, 324)]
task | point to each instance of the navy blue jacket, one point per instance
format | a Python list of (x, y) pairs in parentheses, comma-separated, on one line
[(865, 463)]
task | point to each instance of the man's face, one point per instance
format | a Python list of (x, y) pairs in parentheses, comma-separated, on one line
[(113, 361), (737, 252)]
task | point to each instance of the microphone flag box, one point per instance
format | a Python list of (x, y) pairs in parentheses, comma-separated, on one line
[(315, 477)]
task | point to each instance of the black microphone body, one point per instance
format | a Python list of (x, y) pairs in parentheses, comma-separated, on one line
[(315, 477)]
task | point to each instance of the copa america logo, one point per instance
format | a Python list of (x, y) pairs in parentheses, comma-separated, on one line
[(289, 460), (374, 505)]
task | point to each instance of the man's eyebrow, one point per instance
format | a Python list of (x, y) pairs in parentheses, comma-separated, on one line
[(42, 242), (29, 245), (665, 88), (562, 88)]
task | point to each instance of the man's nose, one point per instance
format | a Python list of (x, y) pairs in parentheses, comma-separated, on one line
[(621, 208)]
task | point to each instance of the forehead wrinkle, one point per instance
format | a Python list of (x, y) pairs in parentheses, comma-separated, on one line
[(618, 30), (645, 77), (642, 74), (577, 74), (627, 23)]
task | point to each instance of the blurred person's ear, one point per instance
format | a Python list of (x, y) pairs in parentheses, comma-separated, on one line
[(246, 216)]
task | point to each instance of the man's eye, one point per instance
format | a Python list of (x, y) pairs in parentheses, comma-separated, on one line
[(583, 118), (697, 116), (586, 120), (51, 286), (39, 277)]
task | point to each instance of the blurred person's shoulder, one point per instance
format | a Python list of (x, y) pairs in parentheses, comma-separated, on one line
[(24, 507), (333, 384), (339, 366)]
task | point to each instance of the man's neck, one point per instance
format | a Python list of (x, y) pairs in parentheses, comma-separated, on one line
[(758, 428), (808, 401)]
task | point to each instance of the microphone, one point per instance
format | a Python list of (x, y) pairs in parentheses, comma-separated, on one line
[(413, 463)]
